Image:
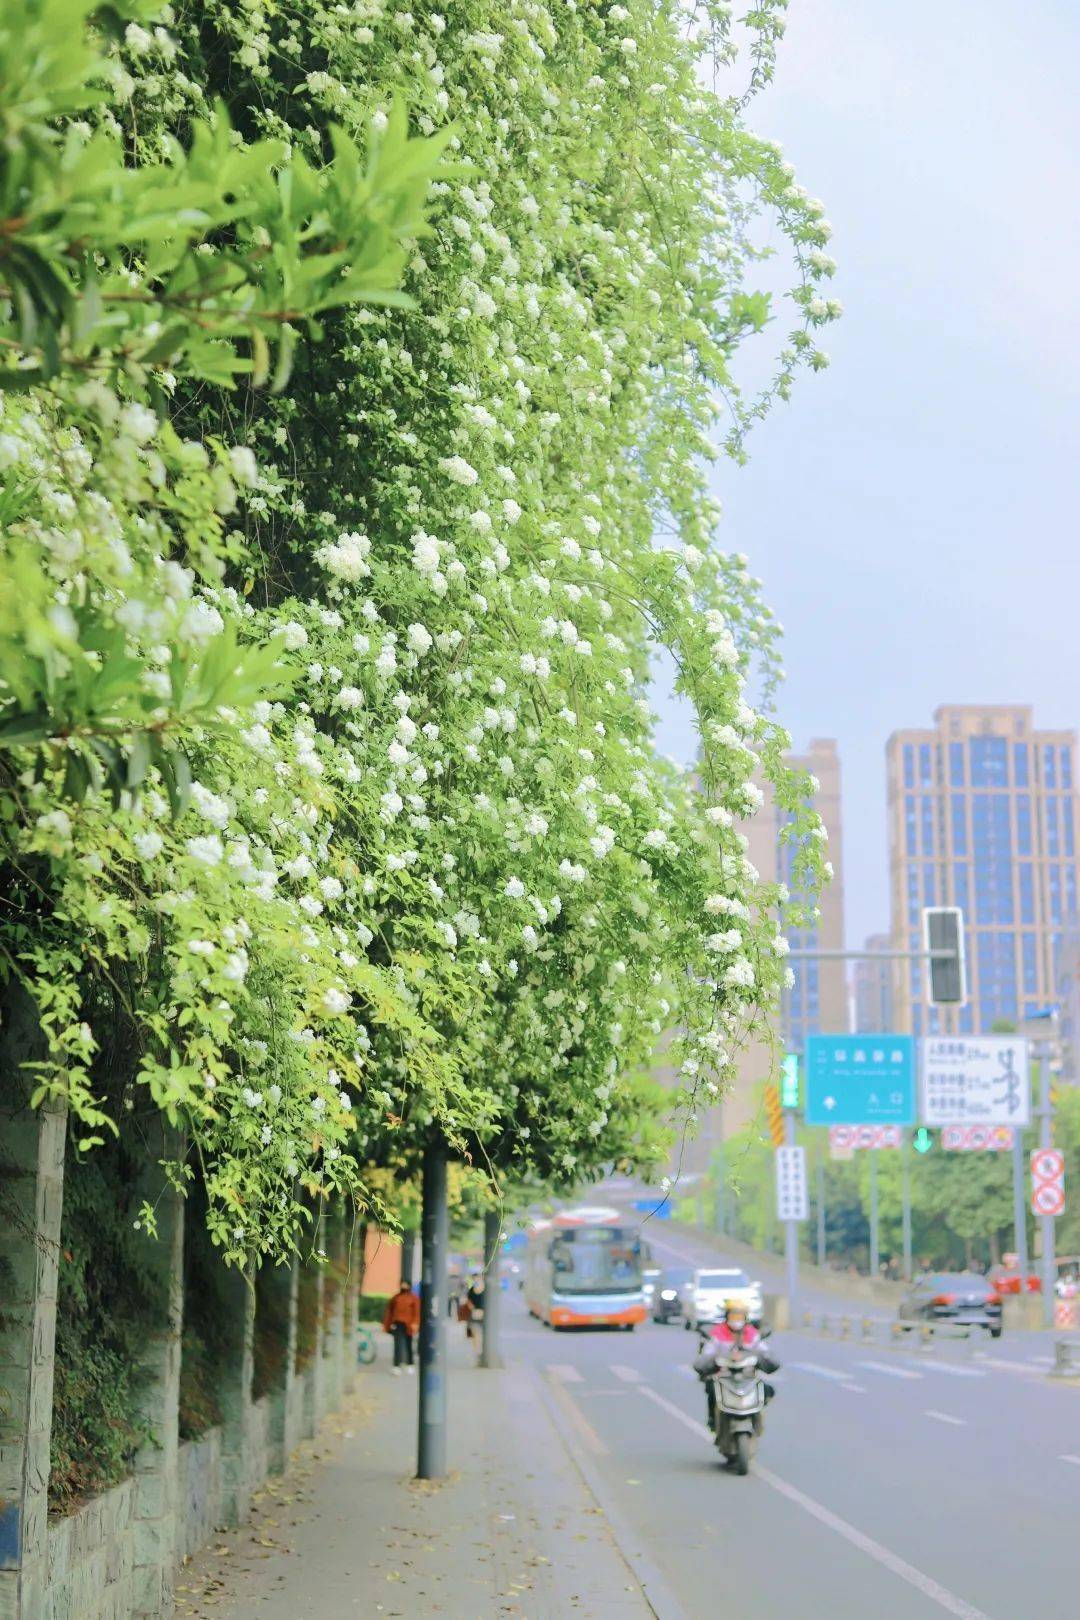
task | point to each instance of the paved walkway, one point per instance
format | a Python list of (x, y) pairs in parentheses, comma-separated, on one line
[(514, 1531)]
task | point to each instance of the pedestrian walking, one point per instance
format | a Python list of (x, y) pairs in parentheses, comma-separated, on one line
[(475, 1301), (402, 1321)]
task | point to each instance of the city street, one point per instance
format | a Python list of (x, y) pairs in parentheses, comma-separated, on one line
[(893, 1483)]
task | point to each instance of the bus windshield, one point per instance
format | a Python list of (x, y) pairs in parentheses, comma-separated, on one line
[(596, 1260)]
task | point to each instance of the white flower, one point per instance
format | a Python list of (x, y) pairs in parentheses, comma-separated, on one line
[(236, 966), (137, 40), (739, 974), (139, 423), (458, 469), (514, 889), (419, 638), (511, 510), (200, 947), (294, 636), (148, 845), (655, 839), (780, 946), (56, 821), (336, 1001), (209, 850), (347, 558), (730, 940), (242, 465)]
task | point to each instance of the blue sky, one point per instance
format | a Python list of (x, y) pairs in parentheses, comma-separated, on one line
[(912, 511)]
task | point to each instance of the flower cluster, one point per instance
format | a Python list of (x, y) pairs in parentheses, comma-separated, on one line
[(445, 882)]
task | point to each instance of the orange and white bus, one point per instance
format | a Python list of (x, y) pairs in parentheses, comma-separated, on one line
[(583, 1269)]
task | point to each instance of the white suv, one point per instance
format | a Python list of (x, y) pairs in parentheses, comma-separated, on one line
[(706, 1294)]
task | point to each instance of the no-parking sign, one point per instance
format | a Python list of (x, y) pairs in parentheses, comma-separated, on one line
[(1048, 1182)]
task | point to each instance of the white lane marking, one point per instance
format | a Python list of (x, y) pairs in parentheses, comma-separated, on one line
[(882, 1555), (629, 1375), (1067, 1456), (890, 1372), (564, 1372), (999, 1363), (856, 1389), (819, 1371), (687, 1372), (953, 1370), (944, 1417)]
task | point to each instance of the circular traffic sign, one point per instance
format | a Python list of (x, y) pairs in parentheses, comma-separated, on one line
[(1048, 1198), (1047, 1164)]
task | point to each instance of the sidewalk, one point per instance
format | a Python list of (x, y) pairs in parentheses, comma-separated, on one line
[(514, 1531)]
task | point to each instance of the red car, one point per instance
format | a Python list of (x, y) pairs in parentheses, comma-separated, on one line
[(1008, 1282)]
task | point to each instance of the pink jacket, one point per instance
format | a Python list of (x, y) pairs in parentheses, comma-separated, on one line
[(748, 1337)]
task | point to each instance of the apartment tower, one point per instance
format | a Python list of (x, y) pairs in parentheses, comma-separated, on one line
[(982, 814)]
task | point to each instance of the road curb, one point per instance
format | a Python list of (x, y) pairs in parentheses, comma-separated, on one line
[(654, 1588)]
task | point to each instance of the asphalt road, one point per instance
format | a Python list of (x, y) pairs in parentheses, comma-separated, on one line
[(888, 1482)]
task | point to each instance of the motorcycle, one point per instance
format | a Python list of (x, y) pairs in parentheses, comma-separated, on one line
[(736, 1386)]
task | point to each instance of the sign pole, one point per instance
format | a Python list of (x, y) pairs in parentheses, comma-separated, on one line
[(791, 1235), (905, 1171), (1046, 1140), (1019, 1212), (821, 1205), (874, 1256), (434, 1230)]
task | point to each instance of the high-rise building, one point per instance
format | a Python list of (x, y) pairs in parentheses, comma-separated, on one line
[(873, 988), (982, 815)]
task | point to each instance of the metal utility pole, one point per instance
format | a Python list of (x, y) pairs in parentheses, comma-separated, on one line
[(874, 1256), (1046, 1140), (905, 1171), (489, 1353), (431, 1448), (821, 1206), (1019, 1208), (791, 1235)]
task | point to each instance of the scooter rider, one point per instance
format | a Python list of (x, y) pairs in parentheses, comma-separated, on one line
[(735, 1332)]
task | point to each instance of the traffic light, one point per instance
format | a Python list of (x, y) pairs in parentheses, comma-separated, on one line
[(943, 933), (774, 1113), (923, 1140), (789, 1081)]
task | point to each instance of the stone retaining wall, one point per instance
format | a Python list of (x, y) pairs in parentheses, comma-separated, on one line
[(116, 1557)]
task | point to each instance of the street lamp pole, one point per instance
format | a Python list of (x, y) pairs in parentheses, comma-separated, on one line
[(434, 1233)]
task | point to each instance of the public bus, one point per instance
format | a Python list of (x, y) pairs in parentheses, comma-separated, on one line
[(583, 1268)]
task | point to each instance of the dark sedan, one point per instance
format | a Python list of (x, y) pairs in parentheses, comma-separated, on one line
[(961, 1297), (666, 1305)]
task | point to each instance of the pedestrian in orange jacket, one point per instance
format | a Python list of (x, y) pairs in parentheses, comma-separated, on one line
[(402, 1319)]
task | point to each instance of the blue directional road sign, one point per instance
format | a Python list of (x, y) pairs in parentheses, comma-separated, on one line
[(860, 1080)]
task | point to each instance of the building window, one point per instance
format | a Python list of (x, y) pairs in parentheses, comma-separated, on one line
[(1070, 894), (909, 765), (926, 774), (956, 764), (1027, 892), (967, 1020), (989, 760), (959, 824), (1020, 764), (1067, 825), (913, 897), (1052, 842), (1023, 823), (961, 895), (927, 807), (1049, 766), (909, 823), (1031, 964), (1066, 768), (929, 885), (1053, 876)]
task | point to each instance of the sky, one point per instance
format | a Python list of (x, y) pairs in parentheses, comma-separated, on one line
[(912, 510)]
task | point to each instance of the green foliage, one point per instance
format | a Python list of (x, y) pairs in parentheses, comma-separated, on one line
[(108, 1301), (372, 1307), (432, 878)]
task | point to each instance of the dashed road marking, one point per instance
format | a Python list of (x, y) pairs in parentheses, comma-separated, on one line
[(629, 1375), (953, 1370), (944, 1417), (890, 1372), (563, 1371), (1067, 1456)]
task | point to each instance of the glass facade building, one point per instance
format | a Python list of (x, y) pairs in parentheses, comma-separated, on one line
[(983, 815)]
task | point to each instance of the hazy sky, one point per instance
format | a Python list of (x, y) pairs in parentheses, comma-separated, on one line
[(913, 509)]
